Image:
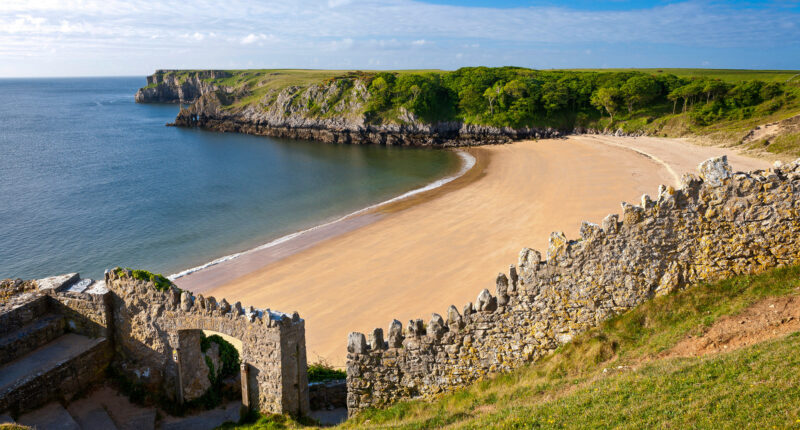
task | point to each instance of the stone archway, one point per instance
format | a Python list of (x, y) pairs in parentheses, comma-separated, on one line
[(148, 327)]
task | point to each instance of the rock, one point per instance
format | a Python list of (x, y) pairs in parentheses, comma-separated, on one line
[(611, 224), (485, 302), (631, 214), (376, 339), (186, 301), (395, 334), (590, 231), (557, 245), (454, 320), (512, 273), (528, 258), (468, 309), (224, 307), (436, 327), (356, 343), (502, 289), (715, 171)]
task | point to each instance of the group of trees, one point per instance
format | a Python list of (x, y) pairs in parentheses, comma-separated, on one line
[(516, 97)]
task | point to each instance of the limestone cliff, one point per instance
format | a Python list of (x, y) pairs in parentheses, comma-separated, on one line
[(330, 110), (172, 86)]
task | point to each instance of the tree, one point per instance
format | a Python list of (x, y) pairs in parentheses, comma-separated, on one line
[(492, 93), (714, 88), (638, 90), (555, 96), (673, 96), (608, 99)]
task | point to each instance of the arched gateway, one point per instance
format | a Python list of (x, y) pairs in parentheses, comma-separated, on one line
[(152, 325)]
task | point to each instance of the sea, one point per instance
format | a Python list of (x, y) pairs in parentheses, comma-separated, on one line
[(90, 180)]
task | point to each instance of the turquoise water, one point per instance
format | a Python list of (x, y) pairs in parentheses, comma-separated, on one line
[(91, 180)]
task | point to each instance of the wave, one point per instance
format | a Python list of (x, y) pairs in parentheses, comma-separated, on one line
[(468, 161)]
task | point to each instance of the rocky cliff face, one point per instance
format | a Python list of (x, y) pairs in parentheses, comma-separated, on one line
[(170, 86), (331, 111)]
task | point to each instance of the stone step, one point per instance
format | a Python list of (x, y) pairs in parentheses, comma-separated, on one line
[(91, 416), (65, 365), (31, 336), (53, 416), (124, 414), (206, 420)]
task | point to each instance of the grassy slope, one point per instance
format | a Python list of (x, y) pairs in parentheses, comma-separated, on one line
[(755, 386)]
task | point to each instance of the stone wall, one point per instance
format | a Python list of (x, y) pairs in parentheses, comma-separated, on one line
[(149, 325), (717, 225), (327, 395)]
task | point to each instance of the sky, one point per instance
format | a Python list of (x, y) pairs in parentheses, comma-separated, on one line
[(40, 38)]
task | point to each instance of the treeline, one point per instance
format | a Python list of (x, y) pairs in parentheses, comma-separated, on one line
[(517, 97)]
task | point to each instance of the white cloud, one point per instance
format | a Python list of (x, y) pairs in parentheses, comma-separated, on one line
[(253, 38), (329, 33)]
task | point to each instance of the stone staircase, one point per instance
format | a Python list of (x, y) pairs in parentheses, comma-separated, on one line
[(42, 361), (53, 361)]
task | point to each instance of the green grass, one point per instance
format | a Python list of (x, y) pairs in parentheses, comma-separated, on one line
[(727, 75), (755, 386), (786, 144)]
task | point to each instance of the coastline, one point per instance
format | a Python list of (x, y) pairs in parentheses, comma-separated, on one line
[(207, 276), (423, 257)]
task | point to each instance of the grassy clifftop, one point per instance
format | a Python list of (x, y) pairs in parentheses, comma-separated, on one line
[(722, 105), (720, 355)]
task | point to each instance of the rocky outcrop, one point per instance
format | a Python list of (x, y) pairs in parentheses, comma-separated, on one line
[(175, 86), (331, 112), (719, 224)]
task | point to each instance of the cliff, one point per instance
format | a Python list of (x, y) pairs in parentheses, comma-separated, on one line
[(469, 106), (174, 86), (331, 110)]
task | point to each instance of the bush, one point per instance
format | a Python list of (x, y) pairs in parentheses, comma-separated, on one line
[(323, 371), (159, 281)]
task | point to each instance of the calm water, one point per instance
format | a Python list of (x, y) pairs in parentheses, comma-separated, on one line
[(90, 180)]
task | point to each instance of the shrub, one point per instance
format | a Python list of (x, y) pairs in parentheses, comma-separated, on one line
[(159, 281), (323, 371)]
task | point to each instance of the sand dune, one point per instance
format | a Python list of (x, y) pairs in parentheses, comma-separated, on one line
[(421, 258)]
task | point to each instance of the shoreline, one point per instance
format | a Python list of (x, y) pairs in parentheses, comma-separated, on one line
[(419, 259), (330, 229)]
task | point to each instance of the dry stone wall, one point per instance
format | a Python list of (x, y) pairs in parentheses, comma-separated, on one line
[(717, 225)]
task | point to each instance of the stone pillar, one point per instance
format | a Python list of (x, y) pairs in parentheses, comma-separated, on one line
[(245, 388)]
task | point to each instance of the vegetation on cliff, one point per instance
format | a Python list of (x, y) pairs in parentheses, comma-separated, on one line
[(628, 373), (723, 104)]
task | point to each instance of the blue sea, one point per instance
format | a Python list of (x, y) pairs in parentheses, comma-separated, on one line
[(91, 180)]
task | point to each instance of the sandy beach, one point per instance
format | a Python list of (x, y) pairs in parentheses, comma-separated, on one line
[(411, 259)]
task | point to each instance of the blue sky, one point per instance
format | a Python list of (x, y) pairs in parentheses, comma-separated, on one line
[(135, 37)]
